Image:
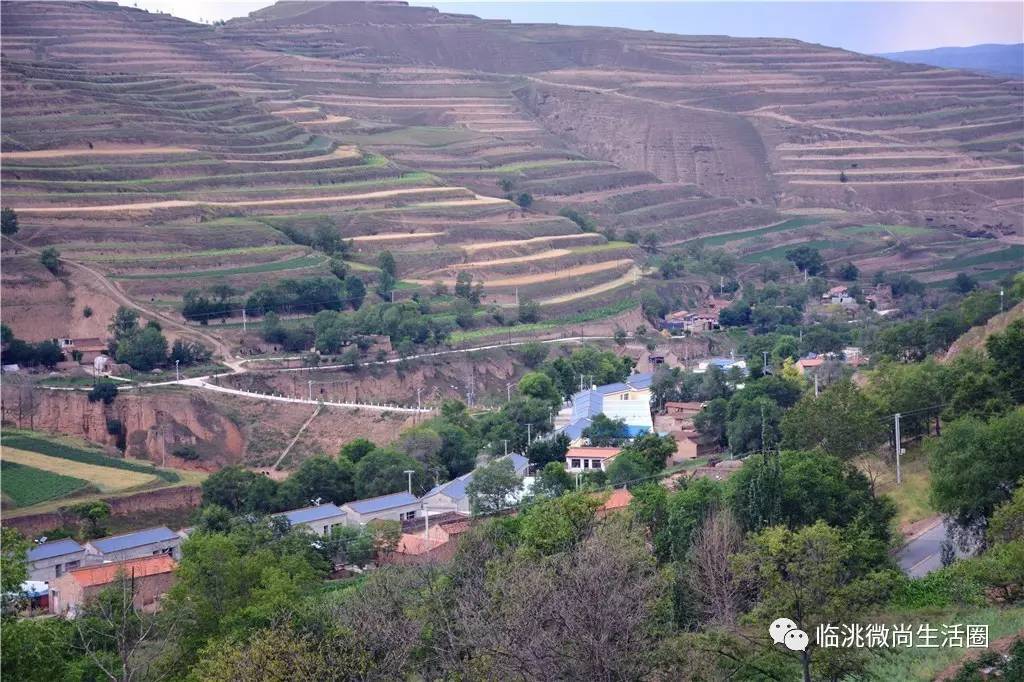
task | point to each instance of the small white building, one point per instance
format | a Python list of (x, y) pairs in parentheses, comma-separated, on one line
[(320, 519), (590, 459)]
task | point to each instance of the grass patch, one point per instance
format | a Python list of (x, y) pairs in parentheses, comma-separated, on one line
[(598, 248), (917, 663), (779, 252), (901, 230), (308, 261), (912, 496), (34, 443), (416, 136), (587, 316), (25, 486), (178, 256), (1012, 253)]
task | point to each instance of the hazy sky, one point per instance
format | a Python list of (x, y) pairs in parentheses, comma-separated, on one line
[(861, 26)]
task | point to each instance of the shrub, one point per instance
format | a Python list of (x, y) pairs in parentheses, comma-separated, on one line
[(105, 391), (187, 452)]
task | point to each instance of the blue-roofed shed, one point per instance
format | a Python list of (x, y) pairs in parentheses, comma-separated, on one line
[(394, 507), (141, 543), (52, 559), (320, 519)]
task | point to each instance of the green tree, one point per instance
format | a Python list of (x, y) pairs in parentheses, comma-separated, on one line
[(13, 568), (8, 221), (144, 350), (807, 260), (349, 545), (356, 449), (1006, 350), (48, 354), (555, 525), (50, 259), (842, 422), (540, 386), (124, 323), (848, 272), (318, 478), (654, 449), (806, 574), (605, 432), (355, 292), (529, 310), (92, 514), (533, 353), (240, 491), (711, 421), (382, 472), (552, 481), (975, 467), (629, 468), (963, 283), (493, 487), (524, 200), (753, 425), (105, 391)]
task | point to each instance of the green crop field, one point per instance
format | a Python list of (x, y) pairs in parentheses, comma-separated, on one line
[(308, 261), (720, 239), (1011, 253), (34, 443), (901, 230), (25, 486), (779, 252)]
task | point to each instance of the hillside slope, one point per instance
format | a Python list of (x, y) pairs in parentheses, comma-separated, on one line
[(999, 60)]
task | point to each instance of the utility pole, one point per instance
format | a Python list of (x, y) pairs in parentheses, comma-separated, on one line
[(409, 473), (426, 525), (177, 372), (517, 297), (529, 431), (816, 385), (508, 392), (899, 449), (418, 391), (505, 441), (244, 327), (310, 384), (1001, 292), (764, 366)]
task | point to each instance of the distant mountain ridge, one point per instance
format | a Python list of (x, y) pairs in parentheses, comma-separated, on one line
[(989, 58)]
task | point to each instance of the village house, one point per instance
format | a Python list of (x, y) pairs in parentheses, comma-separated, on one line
[(724, 364), (142, 543), (394, 507), (430, 539), (704, 319), (691, 444), (582, 459), (51, 560), (85, 350), (320, 519), (151, 578), (629, 401), (453, 495), (810, 364), (683, 410), (838, 295)]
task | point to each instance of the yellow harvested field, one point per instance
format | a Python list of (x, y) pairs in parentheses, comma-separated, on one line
[(472, 248), (96, 151), (553, 253), (331, 118), (478, 201), (106, 479)]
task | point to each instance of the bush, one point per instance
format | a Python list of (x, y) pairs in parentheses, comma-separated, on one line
[(103, 390), (8, 221), (50, 259), (187, 452)]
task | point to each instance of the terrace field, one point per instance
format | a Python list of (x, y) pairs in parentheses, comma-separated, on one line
[(183, 156)]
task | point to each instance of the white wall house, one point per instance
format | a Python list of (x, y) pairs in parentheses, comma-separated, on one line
[(51, 560), (321, 519), (142, 543)]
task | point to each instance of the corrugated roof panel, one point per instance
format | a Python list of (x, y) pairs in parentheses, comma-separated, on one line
[(148, 536), (376, 504), (310, 514), (48, 550)]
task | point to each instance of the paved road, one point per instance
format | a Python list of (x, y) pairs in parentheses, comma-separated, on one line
[(923, 554)]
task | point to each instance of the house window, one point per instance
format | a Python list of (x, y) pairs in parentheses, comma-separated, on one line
[(408, 515), (58, 570), (596, 464), (575, 464), (586, 464), (71, 564), (327, 529)]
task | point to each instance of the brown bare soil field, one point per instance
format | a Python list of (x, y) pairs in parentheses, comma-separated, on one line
[(125, 150)]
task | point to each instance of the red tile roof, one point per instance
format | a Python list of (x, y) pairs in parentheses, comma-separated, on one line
[(104, 574)]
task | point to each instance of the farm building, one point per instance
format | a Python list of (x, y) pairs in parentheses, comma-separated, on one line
[(84, 350), (429, 542), (393, 507), (683, 410), (151, 578), (690, 444), (452, 496), (51, 560), (142, 543), (321, 519)]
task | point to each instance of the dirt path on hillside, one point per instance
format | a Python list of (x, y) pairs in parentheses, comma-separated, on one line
[(331, 118), (997, 178), (542, 255), (477, 201), (123, 299), (473, 248), (95, 151), (627, 278), (394, 237), (152, 205)]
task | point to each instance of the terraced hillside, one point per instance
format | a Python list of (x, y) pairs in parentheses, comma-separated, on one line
[(166, 156)]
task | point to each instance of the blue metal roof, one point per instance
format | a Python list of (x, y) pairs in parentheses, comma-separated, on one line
[(575, 429), (48, 550), (148, 536), (376, 504), (640, 381), (309, 514), (587, 404), (455, 489), (519, 463)]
